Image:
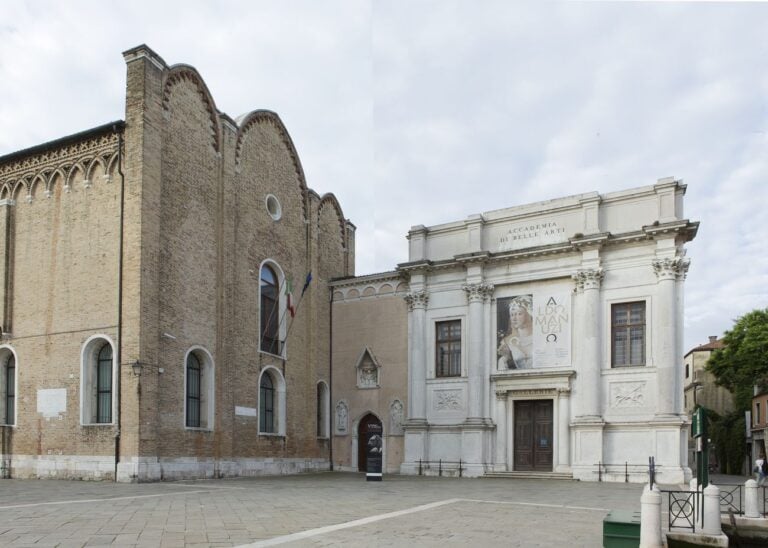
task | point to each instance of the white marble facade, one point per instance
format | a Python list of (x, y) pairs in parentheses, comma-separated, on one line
[(535, 290)]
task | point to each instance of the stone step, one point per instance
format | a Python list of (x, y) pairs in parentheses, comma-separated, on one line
[(530, 475)]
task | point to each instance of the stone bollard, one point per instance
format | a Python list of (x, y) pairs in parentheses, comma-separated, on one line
[(650, 518), (751, 509), (712, 524)]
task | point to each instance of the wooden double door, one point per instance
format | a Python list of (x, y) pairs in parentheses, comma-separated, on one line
[(533, 435)]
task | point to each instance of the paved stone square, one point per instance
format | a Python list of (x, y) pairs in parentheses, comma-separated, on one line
[(327, 509)]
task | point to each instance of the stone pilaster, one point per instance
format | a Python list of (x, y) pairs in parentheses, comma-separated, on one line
[(588, 284), (563, 431), (417, 397), (477, 294), (668, 271), (501, 431)]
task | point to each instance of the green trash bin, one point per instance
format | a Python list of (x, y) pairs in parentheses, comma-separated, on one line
[(621, 529)]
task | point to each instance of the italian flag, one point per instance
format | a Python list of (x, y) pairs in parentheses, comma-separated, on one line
[(289, 296)]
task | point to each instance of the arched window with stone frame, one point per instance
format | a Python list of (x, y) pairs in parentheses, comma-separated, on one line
[(272, 307), (98, 368), (199, 389), (271, 402), (323, 404), (8, 384)]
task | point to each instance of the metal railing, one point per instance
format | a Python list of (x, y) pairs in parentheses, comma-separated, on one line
[(731, 498), (626, 469), (442, 465), (681, 506), (765, 499)]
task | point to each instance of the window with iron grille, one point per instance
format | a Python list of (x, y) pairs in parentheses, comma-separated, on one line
[(10, 389), (628, 334), (448, 349), (270, 313), (267, 405), (104, 385), (194, 377)]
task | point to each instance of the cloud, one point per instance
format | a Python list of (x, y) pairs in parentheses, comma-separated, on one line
[(426, 112)]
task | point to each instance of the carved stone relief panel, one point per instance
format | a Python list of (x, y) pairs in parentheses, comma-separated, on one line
[(396, 416), (627, 394), (367, 370), (342, 418), (448, 400)]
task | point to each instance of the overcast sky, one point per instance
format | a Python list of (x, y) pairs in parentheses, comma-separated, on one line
[(426, 112)]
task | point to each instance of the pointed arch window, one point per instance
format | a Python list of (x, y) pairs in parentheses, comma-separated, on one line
[(270, 311)]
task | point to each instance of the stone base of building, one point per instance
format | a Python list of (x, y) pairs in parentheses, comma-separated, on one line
[(148, 469), (441, 450)]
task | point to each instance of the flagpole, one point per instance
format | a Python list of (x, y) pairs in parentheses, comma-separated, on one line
[(272, 314), (298, 304)]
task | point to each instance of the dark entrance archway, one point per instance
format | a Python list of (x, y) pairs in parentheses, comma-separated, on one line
[(533, 435), (362, 430)]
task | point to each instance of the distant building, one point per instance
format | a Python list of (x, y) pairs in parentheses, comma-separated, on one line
[(759, 426), (700, 387)]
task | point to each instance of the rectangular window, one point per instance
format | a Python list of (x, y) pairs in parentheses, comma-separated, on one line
[(757, 414), (628, 334), (448, 349)]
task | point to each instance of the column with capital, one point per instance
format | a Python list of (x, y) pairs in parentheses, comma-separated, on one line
[(417, 397), (588, 283), (668, 271), (477, 294)]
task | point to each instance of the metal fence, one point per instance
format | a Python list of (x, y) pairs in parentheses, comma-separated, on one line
[(681, 509), (626, 469), (685, 508), (441, 466)]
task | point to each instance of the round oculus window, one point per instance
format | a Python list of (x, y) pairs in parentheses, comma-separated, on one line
[(273, 207)]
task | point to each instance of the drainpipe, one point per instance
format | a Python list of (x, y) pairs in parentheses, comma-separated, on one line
[(330, 376), (119, 351)]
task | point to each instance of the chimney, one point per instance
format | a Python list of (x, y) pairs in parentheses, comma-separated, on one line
[(712, 339)]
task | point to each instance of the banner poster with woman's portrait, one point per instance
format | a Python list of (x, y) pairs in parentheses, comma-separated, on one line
[(533, 331)]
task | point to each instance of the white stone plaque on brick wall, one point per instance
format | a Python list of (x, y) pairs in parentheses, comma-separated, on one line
[(52, 401), (245, 411)]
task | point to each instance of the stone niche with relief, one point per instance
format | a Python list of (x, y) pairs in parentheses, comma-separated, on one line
[(368, 370)]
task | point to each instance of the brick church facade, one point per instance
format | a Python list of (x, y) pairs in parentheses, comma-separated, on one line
[(145, 303)]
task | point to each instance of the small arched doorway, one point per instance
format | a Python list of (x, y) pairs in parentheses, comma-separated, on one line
[(362, 431)]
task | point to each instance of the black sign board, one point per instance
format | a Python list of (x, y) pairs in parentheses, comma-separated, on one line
[(374, 449)]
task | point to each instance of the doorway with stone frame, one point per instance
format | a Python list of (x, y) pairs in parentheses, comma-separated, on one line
[(533, 435)]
